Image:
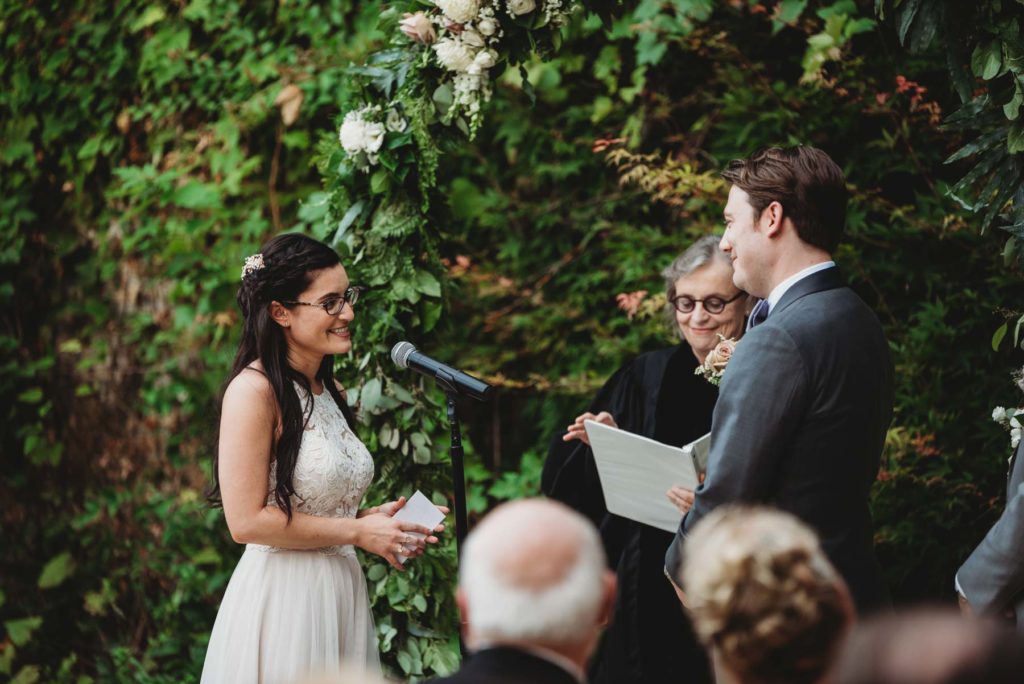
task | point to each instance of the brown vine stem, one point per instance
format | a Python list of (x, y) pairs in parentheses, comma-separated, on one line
[(275, 163)]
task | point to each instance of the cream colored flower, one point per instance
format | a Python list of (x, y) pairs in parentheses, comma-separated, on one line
[(359, 135), (459, 11), (418, 28), (453, 55), (719, 357), (486, 27), (521, 7)]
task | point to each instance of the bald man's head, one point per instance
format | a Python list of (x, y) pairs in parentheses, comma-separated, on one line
[(533, 571)]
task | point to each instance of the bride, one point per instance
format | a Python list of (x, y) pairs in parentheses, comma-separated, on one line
[(291, 474)]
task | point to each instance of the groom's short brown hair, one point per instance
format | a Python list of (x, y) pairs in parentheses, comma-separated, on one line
[(805, 181)]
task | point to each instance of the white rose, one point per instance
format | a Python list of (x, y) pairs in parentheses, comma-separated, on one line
[(395, 122), (358, 135), (999, 414), (453, 55), (459, 11), (472, 38), (474, 69), (521, 7), (487, 27), (1015, 424), (1015, 437), (418, 28), (485, 59)]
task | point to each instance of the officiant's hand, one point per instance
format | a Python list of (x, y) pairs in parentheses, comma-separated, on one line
[(579, 431), (681, 498)]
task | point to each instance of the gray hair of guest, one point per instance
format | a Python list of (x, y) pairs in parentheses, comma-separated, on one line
[(698, 255)]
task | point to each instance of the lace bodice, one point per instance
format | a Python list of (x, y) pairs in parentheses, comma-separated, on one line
[(333, 468)]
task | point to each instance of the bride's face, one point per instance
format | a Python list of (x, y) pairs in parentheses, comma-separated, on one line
[(310, 329)]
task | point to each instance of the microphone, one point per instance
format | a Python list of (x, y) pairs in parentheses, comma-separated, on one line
[(404, 355)]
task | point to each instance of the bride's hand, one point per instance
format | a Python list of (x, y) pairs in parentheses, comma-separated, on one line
[(578, 429), (381, 534)]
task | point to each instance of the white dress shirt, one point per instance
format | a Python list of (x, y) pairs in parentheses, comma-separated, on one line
[(783, 287)]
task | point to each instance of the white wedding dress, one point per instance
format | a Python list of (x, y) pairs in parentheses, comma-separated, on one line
[(287, 614)]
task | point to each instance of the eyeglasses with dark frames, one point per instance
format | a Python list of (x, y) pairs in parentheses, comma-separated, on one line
[(334, 305), (713, 304)]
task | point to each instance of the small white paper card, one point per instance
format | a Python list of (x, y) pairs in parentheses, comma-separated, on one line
[(636, 473), (419, 510)]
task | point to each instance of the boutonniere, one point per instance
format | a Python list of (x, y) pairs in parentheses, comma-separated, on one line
[(1011, 419), (714, 365)]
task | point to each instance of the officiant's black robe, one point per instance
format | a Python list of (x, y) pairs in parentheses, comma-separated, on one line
[(650, 639)]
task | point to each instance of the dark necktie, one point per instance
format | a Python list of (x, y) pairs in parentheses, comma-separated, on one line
[(758, 315)]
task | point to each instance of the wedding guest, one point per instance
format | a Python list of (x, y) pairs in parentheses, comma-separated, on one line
[(763, 597), (930, 646), (656, 395), (533, 593), (991, 580), (291, 474), (803, 410)]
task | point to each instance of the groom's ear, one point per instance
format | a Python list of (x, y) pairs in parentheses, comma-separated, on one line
[(771, 219)]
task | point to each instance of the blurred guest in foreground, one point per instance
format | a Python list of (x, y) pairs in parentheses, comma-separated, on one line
[(533, 593), (656, 395), (930, 646), (763, 597)]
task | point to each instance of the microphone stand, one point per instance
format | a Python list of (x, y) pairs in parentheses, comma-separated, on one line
[(447, 382)]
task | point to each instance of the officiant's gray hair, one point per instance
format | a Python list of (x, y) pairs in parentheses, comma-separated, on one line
[(698, 255), (533, 572)]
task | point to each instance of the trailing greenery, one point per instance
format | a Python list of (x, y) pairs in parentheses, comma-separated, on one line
[(145, 149)]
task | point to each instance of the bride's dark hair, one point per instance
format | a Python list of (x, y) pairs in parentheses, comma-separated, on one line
[(289, 264)]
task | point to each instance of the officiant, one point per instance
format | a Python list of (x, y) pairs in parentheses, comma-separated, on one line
[(657, 395)]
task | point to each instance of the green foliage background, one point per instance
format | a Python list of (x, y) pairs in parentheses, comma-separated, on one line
[(142, 156)]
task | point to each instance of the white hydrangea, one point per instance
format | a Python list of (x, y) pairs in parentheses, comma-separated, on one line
[(487, 26), (999, 414), (360, 134), (459, 11), (453, 54)]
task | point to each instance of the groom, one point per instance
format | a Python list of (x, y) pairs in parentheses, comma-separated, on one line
[(807, 397)]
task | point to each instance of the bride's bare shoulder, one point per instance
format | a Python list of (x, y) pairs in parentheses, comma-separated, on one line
[(251, 389)]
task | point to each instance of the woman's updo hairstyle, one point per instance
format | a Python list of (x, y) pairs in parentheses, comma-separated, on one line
[(762, 593), (282, 270)]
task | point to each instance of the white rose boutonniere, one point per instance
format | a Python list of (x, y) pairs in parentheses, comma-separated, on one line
[(1011, 419), (717, 359)]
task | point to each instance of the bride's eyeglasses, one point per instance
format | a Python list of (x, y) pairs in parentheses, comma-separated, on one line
[(713, 304), (334, 305)]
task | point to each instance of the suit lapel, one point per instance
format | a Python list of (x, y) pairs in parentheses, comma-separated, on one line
[(829, 279)]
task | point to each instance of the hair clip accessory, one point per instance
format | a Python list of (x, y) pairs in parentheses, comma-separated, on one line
[(252, 264)]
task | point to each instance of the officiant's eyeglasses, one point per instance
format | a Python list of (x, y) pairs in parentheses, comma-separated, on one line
[(713, 304), (334, 305)]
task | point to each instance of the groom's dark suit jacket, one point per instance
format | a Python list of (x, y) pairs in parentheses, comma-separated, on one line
[(801, 418)]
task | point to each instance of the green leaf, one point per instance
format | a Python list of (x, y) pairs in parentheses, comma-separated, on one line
[(376, 572), (56, 571), (1015, 138), (369, 395), (196, 195), (153, 14), (207, 556), (428, 284), (31, 396), (20, 631), (997, 337), (378, 182), (29, 674), (419, 603)]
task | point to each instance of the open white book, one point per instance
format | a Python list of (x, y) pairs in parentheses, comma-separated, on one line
[(636, 472)]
